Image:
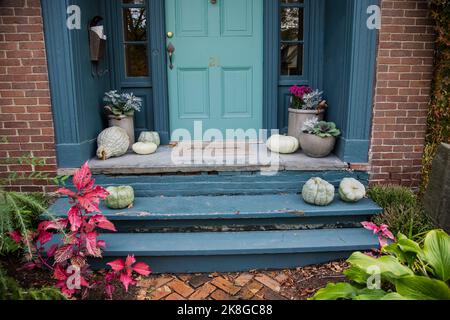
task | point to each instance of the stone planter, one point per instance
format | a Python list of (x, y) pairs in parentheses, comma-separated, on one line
[(297, 118), (124, 122), (315, 146)]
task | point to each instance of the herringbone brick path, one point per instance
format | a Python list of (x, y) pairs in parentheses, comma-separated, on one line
[(295, 284)]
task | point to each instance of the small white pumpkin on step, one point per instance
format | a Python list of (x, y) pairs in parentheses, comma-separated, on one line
[(282, 144), (144, 148), (351, 190)]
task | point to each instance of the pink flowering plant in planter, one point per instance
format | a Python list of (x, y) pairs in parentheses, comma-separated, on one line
[(67, 254)]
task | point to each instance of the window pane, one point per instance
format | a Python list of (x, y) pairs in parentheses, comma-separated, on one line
[(291, 24), (291, 59), (134, 1), (135, 24), (136, 60), (291, 1)]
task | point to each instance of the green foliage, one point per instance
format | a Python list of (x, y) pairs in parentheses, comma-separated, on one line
[(406, 271), (18, 211), (11, 290), (326, 129), (438, 123), (403, 212)]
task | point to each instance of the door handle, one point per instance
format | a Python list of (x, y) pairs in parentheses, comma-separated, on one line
[(170, 51)]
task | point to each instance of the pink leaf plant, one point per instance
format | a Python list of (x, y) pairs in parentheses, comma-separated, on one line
[(78, 240), (382, 231)]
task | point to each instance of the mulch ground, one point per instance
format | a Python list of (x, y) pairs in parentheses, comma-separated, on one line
[(295, 284)]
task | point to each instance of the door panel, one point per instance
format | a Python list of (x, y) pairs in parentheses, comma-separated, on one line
[(193, 93), (191, 18), (236, 17), (237, 92), (217, 63)]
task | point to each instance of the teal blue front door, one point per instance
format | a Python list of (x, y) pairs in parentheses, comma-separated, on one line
[(216, 71)]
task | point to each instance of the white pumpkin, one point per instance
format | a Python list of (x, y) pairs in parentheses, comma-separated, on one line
[(150, 136), (282, 144), (112, 142), (144, 147), (351, 190), (318, 192)]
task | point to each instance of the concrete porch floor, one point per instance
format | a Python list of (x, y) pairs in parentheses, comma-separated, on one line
[(244, 157)]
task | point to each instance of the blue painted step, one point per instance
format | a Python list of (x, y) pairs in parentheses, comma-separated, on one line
[(237, 251), (152, 214), (229, 183)]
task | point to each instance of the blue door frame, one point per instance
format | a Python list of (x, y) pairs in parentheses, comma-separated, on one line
[(343, 61)]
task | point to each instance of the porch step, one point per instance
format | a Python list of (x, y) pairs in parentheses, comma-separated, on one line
[(224, 183), (237, 251), (237, 213)]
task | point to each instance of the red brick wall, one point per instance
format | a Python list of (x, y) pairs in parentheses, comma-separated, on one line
[(404, 73), (26, 126)]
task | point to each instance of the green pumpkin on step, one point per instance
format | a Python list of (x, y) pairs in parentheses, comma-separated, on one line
[(120, 197)]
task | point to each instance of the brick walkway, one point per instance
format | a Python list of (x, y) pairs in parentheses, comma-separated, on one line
[(268, 285)]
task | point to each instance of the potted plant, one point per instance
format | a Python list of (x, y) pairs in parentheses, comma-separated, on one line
[(306, 104), (120, 109), (318, 137)]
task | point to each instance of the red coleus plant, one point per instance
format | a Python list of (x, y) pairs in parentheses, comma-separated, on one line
[(382, 231), (68, 257)]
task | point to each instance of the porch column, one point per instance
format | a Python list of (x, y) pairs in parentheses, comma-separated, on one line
[(360, 44), (76, 94)]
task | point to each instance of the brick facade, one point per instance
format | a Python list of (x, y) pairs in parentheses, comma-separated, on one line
[(26, 125), (404, 74)]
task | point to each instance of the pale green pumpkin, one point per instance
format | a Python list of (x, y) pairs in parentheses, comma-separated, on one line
[(351, 190), (150, 136), (112, 142), (318, 192), (120, 197)]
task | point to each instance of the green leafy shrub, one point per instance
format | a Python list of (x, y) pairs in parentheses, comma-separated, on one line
[(403, 211), (407, 271), (11, 290), (20, 212)]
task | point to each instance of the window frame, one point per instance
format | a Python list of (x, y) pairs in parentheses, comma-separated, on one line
[(119, 44), (302, 42), (312, 44)]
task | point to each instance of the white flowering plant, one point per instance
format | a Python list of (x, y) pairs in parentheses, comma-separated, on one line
[(123, 104)]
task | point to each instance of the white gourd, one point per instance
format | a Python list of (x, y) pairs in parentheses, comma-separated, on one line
[(112, 142), (282, 144), (351, 190), (318, 192), (150, 136), (144, 147)]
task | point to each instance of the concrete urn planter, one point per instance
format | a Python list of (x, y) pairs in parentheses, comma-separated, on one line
[(124, 122), (297, 118), (315, 146)]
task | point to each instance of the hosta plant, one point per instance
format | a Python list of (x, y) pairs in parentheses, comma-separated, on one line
[(405, 271), (65, 245)]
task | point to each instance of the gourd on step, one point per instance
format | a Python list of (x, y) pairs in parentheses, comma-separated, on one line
[(120, 197), (351, 190), (318, 192), (282, 144), (150, 136), (144, 148), (112, 142)]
